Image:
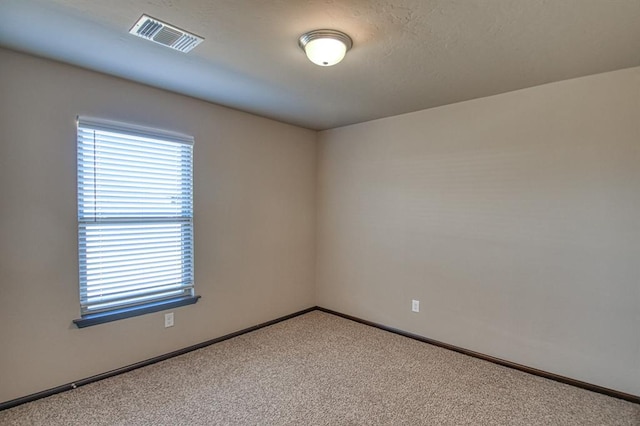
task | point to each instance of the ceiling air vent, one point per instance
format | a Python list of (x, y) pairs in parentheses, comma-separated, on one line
[(167, 35)]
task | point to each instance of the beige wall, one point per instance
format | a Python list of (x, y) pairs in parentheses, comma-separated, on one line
[(254, 222), (514, 219)]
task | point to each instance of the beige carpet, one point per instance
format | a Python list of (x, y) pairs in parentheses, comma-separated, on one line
[(319, 369)]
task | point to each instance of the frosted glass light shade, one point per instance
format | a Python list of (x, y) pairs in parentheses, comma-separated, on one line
[(325, 47), (325, 51)]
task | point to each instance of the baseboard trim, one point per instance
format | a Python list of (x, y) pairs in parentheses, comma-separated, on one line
[(69, 386), (499, 361), (566, 380)]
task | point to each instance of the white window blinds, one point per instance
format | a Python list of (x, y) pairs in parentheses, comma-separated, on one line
[(135, 215)]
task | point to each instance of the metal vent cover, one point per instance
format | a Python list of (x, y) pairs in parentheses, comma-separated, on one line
[(165, 34)]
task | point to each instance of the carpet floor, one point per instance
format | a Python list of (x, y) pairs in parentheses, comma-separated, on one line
[(320, 369)]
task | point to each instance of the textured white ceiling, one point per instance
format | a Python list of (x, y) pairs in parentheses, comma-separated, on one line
[(408, 54)]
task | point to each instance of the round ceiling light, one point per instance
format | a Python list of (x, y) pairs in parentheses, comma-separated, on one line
[(325, 47)]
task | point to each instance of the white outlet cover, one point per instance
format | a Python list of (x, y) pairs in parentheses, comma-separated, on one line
[(168, 319), (415, 305)]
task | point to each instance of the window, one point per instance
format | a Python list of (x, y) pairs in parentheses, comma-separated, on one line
[(135, 220)]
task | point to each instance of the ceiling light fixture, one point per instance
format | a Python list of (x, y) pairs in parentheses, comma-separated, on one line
[(325, 47)]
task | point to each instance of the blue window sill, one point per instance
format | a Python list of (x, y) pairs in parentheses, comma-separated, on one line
[(103, 317)]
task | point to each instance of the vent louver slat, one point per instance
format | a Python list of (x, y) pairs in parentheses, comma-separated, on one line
[(149, 28), (183, 42), (165, 34)]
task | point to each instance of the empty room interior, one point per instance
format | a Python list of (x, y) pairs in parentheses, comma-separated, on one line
[(206, 221)]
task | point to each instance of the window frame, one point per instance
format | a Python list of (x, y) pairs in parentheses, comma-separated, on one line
[(137, 216)]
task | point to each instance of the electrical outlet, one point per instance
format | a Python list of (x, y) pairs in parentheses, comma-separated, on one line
[(168, 320), (415, 306)]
